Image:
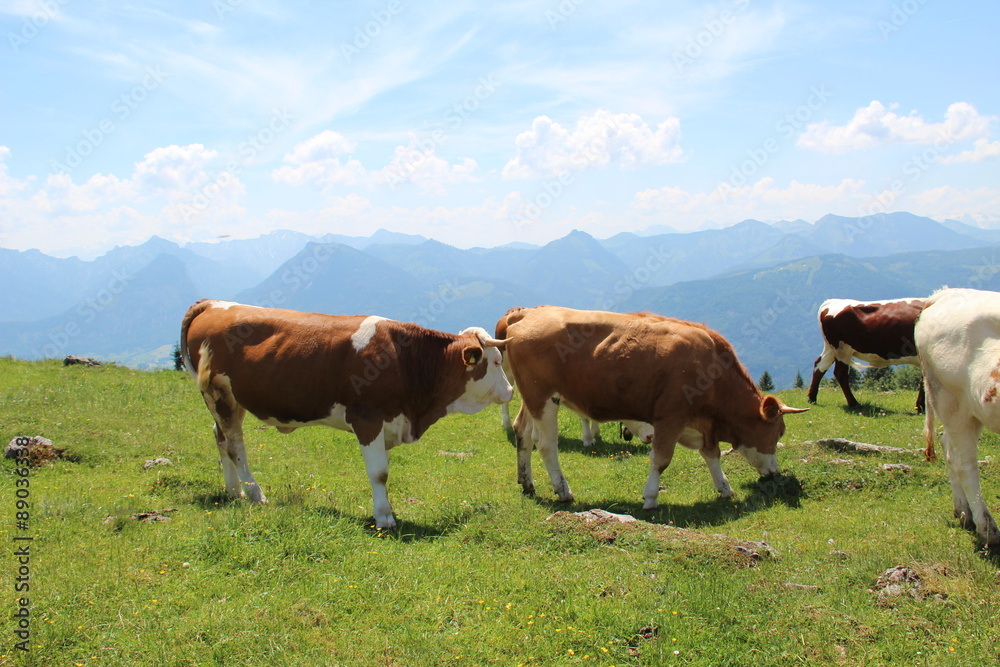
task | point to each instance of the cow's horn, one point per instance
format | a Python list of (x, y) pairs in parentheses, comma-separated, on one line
[(490, 341), (485, 339), (789, 410)]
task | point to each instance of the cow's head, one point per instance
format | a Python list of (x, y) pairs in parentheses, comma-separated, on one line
[(485, 381), (641, 430), (759, 443)]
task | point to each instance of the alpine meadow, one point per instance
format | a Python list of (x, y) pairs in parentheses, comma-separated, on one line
[(549, 333), (845, 557)]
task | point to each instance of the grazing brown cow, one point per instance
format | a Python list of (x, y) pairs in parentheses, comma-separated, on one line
[(877, 332), (589, 427), (385, 381), (681, 377)]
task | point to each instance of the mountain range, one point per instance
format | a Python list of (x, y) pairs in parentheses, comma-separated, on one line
[(759, 284)]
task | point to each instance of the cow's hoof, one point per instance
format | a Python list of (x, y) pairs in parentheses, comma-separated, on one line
[(528, 491), (650, 505), (385, 524), (566, 497), (965, 520)]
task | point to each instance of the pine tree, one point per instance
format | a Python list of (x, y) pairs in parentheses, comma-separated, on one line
[(765, 382), (799, 382), (178, 362)]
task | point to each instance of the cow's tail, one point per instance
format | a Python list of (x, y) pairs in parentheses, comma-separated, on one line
[(193, 312), (929, 426), (203, 374)]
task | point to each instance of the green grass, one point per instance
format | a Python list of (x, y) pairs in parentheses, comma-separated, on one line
[(475, 575)]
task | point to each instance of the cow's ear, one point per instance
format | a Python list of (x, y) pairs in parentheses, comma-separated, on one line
[(770, 408), (472, 355)]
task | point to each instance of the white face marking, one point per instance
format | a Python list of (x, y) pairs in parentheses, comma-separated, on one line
[(491, 388), (365, 332), (641, 430), (765, 464)]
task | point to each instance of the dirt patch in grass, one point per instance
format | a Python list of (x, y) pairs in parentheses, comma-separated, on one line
[(36, 450), (912, 581), (625, 532)]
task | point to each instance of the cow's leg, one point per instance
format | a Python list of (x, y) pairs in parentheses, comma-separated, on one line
[(505, 416), (960, 443), (819, 371), (665, 437), (228, 432), (587, 432), (960, 501), (715, 469), (377, 466), (921, 398), (547, 428), (842, 372), (523, 436), (232, 478)]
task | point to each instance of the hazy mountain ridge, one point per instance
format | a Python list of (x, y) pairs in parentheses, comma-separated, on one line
[(759, 284)]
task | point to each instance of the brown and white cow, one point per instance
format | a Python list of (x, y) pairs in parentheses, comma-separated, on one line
[(681, 377), (589, 428), (958, 339), (385, 381), (877, 332)]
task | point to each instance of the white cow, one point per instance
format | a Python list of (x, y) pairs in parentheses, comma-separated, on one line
[(958, 340)]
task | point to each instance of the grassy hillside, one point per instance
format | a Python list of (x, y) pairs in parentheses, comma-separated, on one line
[(476, 575)]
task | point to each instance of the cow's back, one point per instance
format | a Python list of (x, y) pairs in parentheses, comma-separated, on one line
[(271, 356), (882, 328), (613, 365)]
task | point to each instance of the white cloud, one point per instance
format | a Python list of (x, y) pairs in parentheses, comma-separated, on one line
[(425, 169), (170, 188), (324, 146), (172, 170), (978, 206), (549, 149), (981, 150), (876, 125), (318, 162)]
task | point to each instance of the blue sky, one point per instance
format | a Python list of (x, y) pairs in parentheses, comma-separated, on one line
[(481, 123)]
